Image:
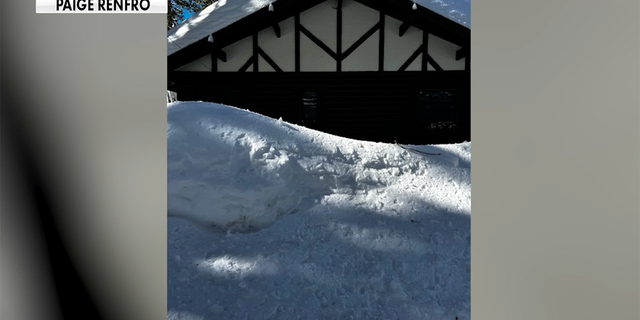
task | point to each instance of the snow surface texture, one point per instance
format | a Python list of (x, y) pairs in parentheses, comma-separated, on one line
[(225, 12), (270, 220)]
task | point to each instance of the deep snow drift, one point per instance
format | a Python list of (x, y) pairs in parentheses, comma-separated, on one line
[(269, 220)]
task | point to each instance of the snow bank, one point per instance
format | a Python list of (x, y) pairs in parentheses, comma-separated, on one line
[(317, 226), (231, 169)]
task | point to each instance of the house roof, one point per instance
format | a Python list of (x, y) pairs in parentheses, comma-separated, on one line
[(226, 12)]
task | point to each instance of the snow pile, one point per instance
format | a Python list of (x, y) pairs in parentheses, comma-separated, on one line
[(307, 225), (223, 13)]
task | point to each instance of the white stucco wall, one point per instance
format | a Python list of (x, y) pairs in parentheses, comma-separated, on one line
[(444, 53), (357, 19), (280, 50), (237, 55), (201, 65), (416, 65), (264, 66), (321, 21), (398, 49), (313, 58), (223, 13), (365, 57)]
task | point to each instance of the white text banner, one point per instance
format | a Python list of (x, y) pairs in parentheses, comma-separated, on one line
[(101, 6)]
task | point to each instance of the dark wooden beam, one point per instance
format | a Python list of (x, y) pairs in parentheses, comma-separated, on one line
[(259, 20), (425, 19), (411, 58), (318, 42), (297, 41), (339, 37), (425, 52), (189, 54), (449, 78), (461, 53), (381, 44), (216, 53), (274, 23), (214, 57), (255, 52), (467, 63), (246, 65), (407, 23), (276, 29), (434, 63), (362, 39), (269, 60), (221, 55), (404, 27)]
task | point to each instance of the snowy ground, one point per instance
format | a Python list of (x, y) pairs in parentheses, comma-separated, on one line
[(269, 220)]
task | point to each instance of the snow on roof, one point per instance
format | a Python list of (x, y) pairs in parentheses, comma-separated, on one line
[(225, 12)]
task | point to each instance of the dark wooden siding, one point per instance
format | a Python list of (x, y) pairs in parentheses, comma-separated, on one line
[(374, 106)]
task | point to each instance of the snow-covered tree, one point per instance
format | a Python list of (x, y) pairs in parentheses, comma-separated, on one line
[(176, 9)]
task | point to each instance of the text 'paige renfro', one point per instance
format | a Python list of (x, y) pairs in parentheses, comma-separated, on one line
[(102, 5)]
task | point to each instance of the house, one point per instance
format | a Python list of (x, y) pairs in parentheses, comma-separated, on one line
[(377, 70)]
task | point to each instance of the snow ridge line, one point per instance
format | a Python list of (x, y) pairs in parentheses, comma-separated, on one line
[(233, 170), (418, 151)]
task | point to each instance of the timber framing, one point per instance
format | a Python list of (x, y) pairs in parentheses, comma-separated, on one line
[(432, 79), (462, 53), (254, 56), (412, 58), (296, 28), (318, 42), (425, 52), (274, 23), (407, 23), (420, 18), (218, 53), (362, 39), (339, 56), (433, 63), (381, 43), (246, 65), (398, 95), (214, 57), (269, 60)]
